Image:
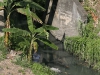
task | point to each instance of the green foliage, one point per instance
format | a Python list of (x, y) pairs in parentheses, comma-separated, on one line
[(24, 39), (21, 6), (2, 47), (43, 70), (36, 68), (29, 37), (87, 49), (32, 34), (38, 34), (17, 31), (31, 14), (86, 46), (43, 4), (3, 50)]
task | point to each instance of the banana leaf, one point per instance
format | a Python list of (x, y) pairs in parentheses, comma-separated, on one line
[(17, 31), (33, 15), (31, 4), (47, 42), (39, 30), (49, 27), (1, 6)]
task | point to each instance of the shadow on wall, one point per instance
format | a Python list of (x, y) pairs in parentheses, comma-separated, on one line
[(52, 10), (1, 27), (1, 24)]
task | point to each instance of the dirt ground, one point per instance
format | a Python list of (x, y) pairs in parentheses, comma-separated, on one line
[(9, 68)]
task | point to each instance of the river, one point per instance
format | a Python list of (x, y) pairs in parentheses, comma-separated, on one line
[(64, 61)]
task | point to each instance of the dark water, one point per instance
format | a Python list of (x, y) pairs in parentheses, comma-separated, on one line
[(74, 69), (70, 64)]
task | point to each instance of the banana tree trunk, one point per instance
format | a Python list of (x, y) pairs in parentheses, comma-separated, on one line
[(7, 25), (30, 51)]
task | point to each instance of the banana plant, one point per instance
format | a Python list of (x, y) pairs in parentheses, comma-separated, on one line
[(39, 34), (9, 6), (34, 34)]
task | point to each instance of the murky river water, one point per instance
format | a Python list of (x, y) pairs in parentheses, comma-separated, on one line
[(75, 69), (74, 66)]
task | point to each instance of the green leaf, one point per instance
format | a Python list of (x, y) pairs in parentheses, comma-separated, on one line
[(1, 5), (31, 4), (17, 31), (9, 4), (22, 11), (36, 18), (32, 15), (11, 30), (47, 42), (24, 43), (49, 27), (41, 32), (41, 29), (27, 12), (29, 20)]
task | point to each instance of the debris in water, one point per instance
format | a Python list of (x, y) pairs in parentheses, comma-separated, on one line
[(55, 69)]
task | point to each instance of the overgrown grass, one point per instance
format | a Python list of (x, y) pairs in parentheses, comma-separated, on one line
[(86, 46), (3, 49), (36, 68), (87, 49)]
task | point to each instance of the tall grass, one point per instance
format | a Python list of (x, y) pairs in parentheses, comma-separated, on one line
[(3, 49), (86, 46), (36, 68)]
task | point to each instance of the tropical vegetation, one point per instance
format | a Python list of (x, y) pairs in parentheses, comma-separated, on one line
[(20, 6), (32, 34), (87, 45), (26, 35), (36, 68)]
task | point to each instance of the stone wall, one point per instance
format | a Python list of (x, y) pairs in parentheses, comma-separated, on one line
[(67, 17)]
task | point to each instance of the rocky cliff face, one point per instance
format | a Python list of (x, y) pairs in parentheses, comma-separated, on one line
[(67, 17)]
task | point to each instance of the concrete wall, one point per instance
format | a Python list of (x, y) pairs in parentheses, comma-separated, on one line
[(67, 17), (1, 21)]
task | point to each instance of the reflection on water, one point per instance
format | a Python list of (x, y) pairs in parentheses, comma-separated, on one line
[(74, 69), (68, 64)]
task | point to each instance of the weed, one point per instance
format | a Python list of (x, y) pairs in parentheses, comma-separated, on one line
[(36, 68), (21, 71), (3, 50), (86, 46)]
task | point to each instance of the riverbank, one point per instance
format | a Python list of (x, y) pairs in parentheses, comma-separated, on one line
[(9, 68)]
